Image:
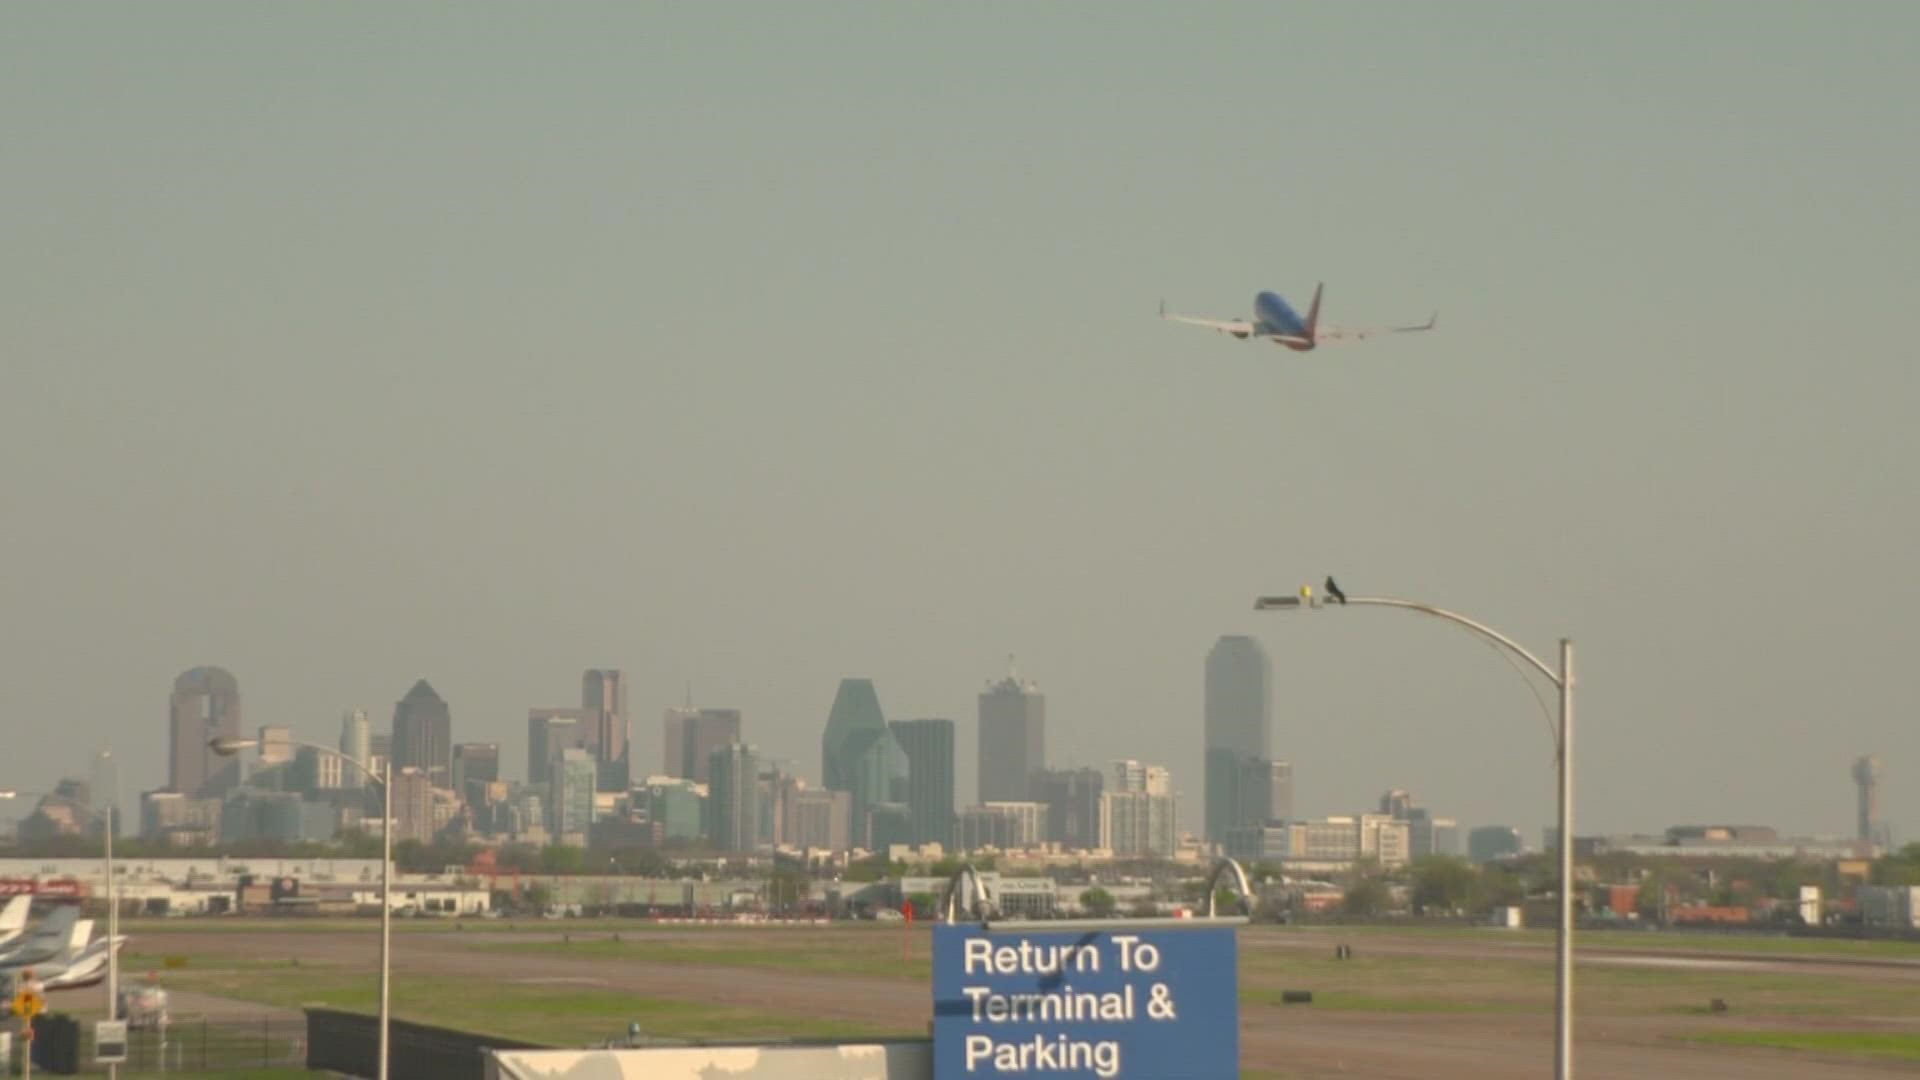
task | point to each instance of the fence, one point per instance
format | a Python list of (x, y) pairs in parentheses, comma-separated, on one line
[(193, 1046), (349, 1043)]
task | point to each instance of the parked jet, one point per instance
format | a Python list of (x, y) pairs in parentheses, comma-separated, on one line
[(87, 965), (78, 962), (13, 918), (44, 941), (1276, 321)]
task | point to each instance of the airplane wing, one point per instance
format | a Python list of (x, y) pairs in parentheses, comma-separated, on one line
[(1239, 328), (1334, 335)]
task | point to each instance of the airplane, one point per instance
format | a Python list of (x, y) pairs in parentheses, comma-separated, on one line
[(77, 963), (1274, 320), (88, 966), (13, 918), (43, 942)]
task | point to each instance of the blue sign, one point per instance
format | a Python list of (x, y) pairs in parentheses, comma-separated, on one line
[(1126, 1002)]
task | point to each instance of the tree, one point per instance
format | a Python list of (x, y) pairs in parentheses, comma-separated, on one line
[(1098, 902), (1898, 868), (1367, 896), (1443, 885), (562, 859)]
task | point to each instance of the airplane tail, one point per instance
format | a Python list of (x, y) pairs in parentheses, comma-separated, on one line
[(1313, 311), (14, 918), (77, 939)]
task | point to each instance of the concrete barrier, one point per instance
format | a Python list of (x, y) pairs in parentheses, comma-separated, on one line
[(906, 1059)]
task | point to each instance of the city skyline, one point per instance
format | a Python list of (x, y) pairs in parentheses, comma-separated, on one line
[(857, 700)]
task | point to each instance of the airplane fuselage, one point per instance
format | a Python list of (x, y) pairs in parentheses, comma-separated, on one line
[(1273, 317)]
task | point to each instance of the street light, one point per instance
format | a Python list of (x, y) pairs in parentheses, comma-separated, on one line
[(1562, 681), (113, 916), (228, 745)]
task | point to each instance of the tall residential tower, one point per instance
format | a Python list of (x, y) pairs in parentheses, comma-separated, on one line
[(1013, 738)]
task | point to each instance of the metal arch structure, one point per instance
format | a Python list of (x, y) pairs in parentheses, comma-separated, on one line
[(1236, 877), (979, 902)]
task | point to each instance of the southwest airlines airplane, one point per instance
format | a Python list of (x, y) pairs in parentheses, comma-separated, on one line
[(1274, 320)]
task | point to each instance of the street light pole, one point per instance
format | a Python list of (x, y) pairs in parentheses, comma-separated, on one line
[(386, 904), (1563, 759), (227, 746), (113, 931), (1563, 953)]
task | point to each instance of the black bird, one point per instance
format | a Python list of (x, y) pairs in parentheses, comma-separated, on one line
[(1334, 590)]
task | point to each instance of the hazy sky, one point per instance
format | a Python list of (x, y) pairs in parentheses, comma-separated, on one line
[(755, 346)]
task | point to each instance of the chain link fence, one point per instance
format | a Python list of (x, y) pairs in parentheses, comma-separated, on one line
[(188, 1046)]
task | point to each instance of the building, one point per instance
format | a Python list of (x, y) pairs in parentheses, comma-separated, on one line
[(1072, 799), (275, 815), (1139, 816), (1013, 738), (412, 805), (860, 756), (1489, 842), (379, 752), (889, 825), (1336, 843), (1889, 905), (1721, 842), (423, 734), (689, 736), (928, 745), (570, 786), (314, 772), (733, 803), (356, 742), (777, 790), (1001, 825), (1426, 834), (603, 697), (104, 780), (1239, 690), (1872, 827), (549, 731), (205, 706), (475, 765), (675, 804), (180, 820), (820, 820)]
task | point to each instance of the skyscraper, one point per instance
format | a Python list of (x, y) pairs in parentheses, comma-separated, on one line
[(412, 805), (423, 734), (860, 756), (1013, 738), (1139, 816), (1874, 828), (356, 742), (1238, 693), (690, 736), (733, 797), (205, 706), (549, 731), (475, 765), (1072, 798), (603, 696), (929, 748), (570, 805)]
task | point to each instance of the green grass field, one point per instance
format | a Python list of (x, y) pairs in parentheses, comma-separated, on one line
[(1377, 980), (1901, 1046)]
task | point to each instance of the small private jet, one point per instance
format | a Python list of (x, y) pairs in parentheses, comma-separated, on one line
[(1276, 321)]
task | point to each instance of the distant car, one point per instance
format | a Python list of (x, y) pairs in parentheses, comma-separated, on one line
[(887, 914)]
